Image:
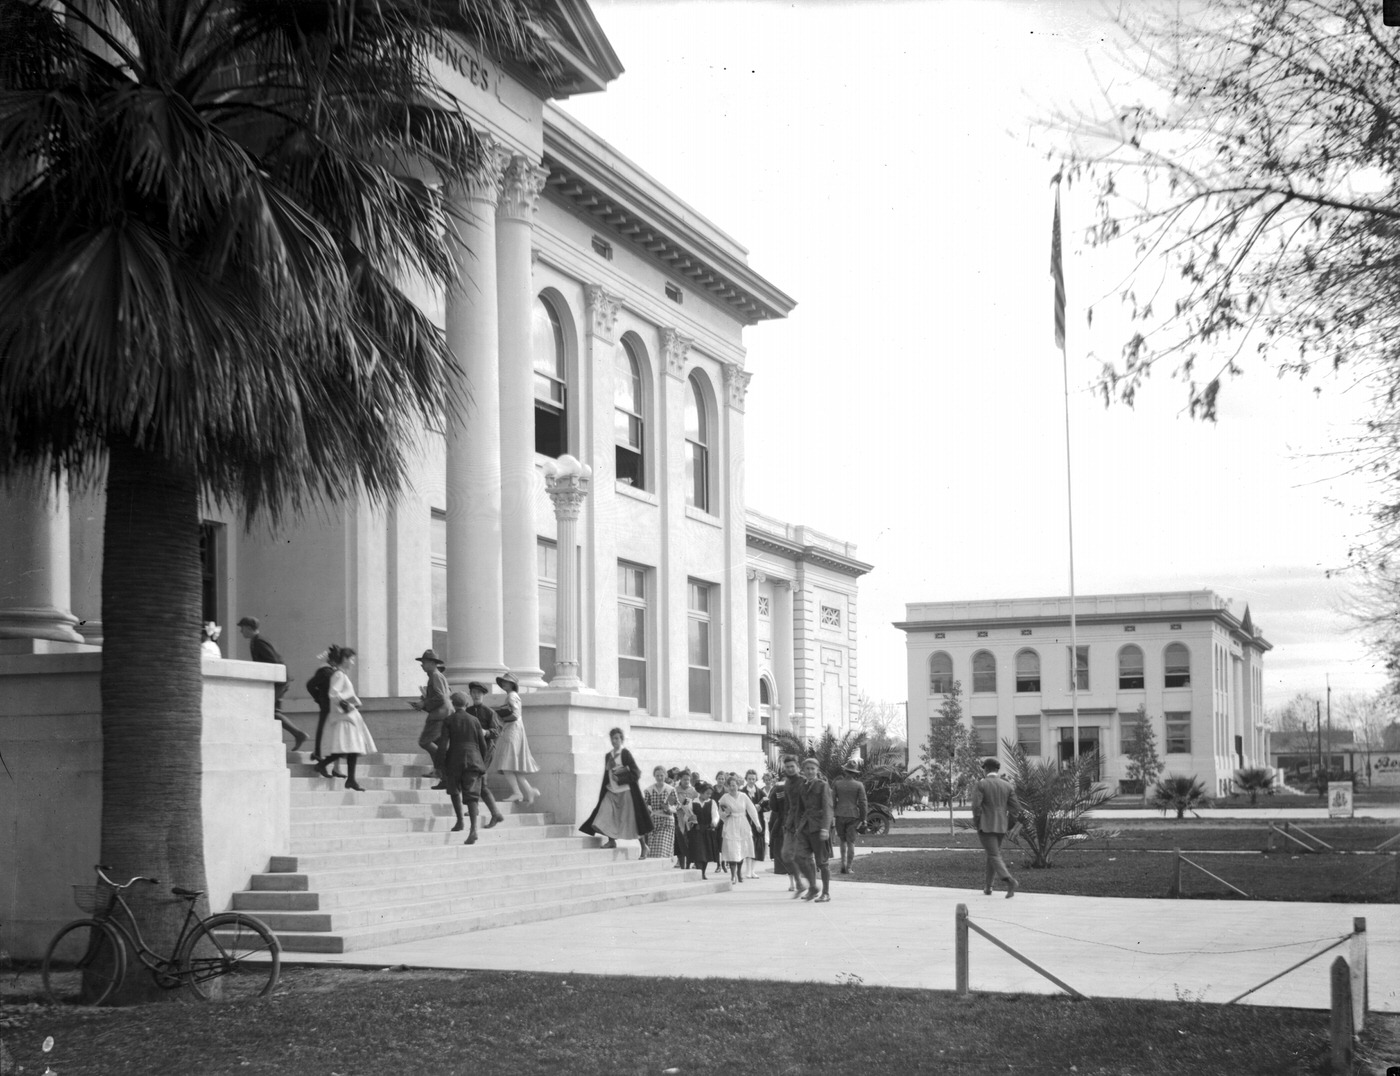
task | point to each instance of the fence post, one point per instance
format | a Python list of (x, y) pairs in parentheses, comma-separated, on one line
[(1360, 975), (1175, 890), (1341, 1016), (960, 946), (1269, 847)]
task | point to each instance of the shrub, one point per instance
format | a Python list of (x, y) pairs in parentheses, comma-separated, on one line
[(1053, 799), (1179, 794)]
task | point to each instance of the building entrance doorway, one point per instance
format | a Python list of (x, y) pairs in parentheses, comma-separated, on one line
[(1088, 744)]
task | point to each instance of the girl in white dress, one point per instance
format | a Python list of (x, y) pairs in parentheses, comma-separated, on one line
[(512, 758), (737, 811), (346, 734)]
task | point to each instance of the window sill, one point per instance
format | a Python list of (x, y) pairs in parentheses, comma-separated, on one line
[(635, 493), (703, 517)]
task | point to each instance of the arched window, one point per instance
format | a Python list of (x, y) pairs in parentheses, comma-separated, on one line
[(1028, 672), (940, 674), (628, 423), (1130, 674), (765, 694), (1177, 666), (984, 672), (551, 385), (697, 447)]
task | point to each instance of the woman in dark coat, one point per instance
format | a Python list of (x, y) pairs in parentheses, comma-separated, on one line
[(701, 847), (621, 813), (777, 814)]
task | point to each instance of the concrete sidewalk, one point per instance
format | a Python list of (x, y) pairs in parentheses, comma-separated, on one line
[(903, 936), (916, 821)]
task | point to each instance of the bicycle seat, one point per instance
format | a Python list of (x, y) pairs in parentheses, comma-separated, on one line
[(188, 894)]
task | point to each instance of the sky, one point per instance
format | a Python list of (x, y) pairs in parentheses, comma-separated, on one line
[(886, 165)]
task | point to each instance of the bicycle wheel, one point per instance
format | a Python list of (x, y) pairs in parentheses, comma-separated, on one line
[(231, 956), (85, 964)]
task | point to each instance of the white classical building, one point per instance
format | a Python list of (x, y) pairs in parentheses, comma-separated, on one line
[(601, 319), (1194, 664)]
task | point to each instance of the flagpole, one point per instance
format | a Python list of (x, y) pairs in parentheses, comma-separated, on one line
[(1058, 273)]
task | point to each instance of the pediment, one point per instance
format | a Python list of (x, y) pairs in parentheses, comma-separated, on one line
[(586, 56)]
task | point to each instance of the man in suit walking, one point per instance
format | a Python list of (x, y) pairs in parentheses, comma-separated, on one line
[(852, 804), (262, 650), (813, 831), (994, 804)]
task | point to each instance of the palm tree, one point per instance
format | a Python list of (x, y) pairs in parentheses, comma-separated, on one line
[(882, 765), (1054, 799), (1180, 794), (1253, 780), (206, 208)]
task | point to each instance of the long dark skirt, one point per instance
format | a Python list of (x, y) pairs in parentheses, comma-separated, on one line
[(758, 845), (776, 842), (700, 846)]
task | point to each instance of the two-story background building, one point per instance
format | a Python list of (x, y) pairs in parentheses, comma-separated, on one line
[(1195, 665)]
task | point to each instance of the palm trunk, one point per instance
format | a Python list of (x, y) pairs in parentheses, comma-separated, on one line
[(152, 693)]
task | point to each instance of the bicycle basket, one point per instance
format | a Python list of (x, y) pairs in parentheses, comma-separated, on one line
[(94, 898)]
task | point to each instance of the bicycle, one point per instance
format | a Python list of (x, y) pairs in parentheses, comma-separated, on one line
[(227, 956)]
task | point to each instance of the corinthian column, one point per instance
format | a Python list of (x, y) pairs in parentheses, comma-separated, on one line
[(474, 591), (755, 579), (567, 482), (521, 614), (34, 582), (784, 670)]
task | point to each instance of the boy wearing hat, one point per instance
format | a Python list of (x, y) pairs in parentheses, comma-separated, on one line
[(464, 763), (259, 649), (436, 702), (813, 830), (851, 806), (490, 729)]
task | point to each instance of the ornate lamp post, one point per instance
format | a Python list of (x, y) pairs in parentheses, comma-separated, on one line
[(567, 481)]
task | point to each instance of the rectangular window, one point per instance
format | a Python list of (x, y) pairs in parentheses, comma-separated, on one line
[(985, 729), (697, 475), (1178, 667), (1082, 667), (831, 616), (1028, 735), (1127, 733), (438, 546), (1028, 671), (1130, 674), (699, 647), (1178, 734), (210, 537), (547, 571), (632, 632)]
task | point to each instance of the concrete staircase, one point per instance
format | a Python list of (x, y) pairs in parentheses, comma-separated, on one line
[(380, 866)]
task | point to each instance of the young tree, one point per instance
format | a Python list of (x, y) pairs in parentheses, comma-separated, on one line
[(950, 756), (1144, 764), (1253, 780), (1179, 794), (206, 212)]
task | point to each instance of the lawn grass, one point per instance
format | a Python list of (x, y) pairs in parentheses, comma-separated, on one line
[(339, 1022), (1129, 872)]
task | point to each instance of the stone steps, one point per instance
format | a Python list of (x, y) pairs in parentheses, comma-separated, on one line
[(383, 865)]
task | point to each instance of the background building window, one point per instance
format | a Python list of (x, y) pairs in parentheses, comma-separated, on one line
[(697, 447), (547, 571), (1130, 676), (1178, 733), (1081, 666), (1177, 661), (940, 674), (984, 672), (1127, 733), (551, 389), (1028, 734), (1028, 671), (831, 616), (628, 425), (699, 647), (438, 547), (985, 729), (210, 537), (632, 633)]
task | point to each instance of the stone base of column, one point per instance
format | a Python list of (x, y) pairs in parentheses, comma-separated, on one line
[(17, 648), (91, 631), (458, 676), (566, 678), (530, 679), (39, 623)]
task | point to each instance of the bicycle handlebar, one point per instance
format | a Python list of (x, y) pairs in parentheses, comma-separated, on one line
[(102, 874)]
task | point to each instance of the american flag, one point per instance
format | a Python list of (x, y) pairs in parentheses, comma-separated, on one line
[(1057, 271)]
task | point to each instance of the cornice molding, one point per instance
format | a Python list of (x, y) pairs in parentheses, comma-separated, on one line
[(807, 554), (1221, 617)]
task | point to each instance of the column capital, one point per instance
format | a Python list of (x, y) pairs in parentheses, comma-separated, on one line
[(782, 584), (568, 492), (736, 385), (522, 180), (485, 183), (755, 576), (677, 347), (602, 309)]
